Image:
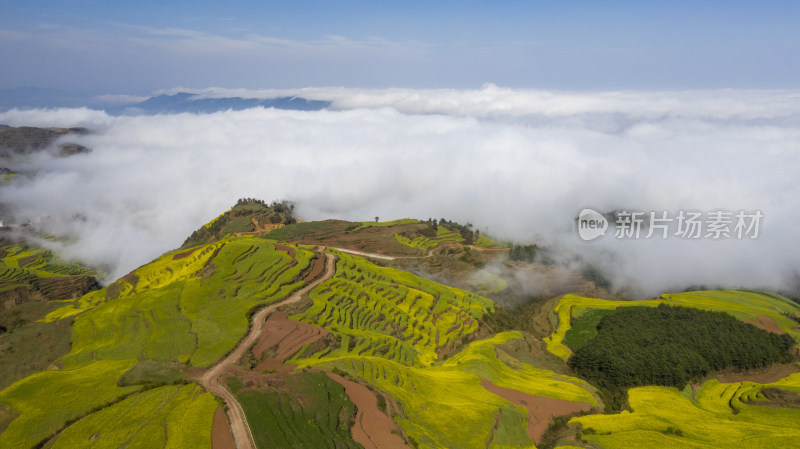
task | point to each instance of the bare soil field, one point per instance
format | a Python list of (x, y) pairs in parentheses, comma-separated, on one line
[(763, 376), (221, 436), (372, 428), (280, 339), (540, 410), (766, 323)]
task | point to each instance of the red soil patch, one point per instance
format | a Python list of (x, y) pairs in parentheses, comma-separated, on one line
[(186, 253), (316, 270), (288, 249), (763, 376), (766, 323), (221, 436), (372, 428), (540, 410), (283, 338)]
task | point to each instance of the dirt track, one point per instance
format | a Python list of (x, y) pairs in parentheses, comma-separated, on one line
[(380, 256), (242, 434)]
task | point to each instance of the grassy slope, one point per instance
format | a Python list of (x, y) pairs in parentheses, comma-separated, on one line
[(191, 309), (400, 221), (184, 307), (47, 401)]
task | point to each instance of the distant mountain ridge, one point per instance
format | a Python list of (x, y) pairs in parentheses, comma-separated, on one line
[(33, 97), (194, 103)]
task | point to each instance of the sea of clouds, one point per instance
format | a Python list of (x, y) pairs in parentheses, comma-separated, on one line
[(518, 164)]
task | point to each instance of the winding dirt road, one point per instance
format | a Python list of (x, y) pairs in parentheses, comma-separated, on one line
[(428, 253), (242, 434), (381, 256)]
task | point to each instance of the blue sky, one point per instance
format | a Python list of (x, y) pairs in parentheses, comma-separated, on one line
[(138, 47)]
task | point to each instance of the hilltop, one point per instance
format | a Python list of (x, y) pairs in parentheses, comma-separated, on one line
[(267, 331), (28, 139)]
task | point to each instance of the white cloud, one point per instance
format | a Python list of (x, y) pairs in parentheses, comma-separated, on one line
[(519, 163)]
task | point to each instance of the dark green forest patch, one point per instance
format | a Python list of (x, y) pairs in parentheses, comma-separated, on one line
[(670, 346)]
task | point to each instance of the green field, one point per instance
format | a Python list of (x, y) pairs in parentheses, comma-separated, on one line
[(166, 417), (310, 410), (48, 401), (487, 242)]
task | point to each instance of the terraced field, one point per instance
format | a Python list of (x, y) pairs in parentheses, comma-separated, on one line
[(391, 313), (393, 326), (715, 415), (30, 276), (443, 235), (439, 402), (33, 273), (421, 242)]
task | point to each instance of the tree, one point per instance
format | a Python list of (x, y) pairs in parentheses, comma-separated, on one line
[(376, 218)]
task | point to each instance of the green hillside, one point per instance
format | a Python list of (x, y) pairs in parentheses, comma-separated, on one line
[(359, 350)]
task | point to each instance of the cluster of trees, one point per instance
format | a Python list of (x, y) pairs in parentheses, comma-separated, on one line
[(524, 253), (668, 345), (241, 201), (467, 232), (248, 206), (532, 253)]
